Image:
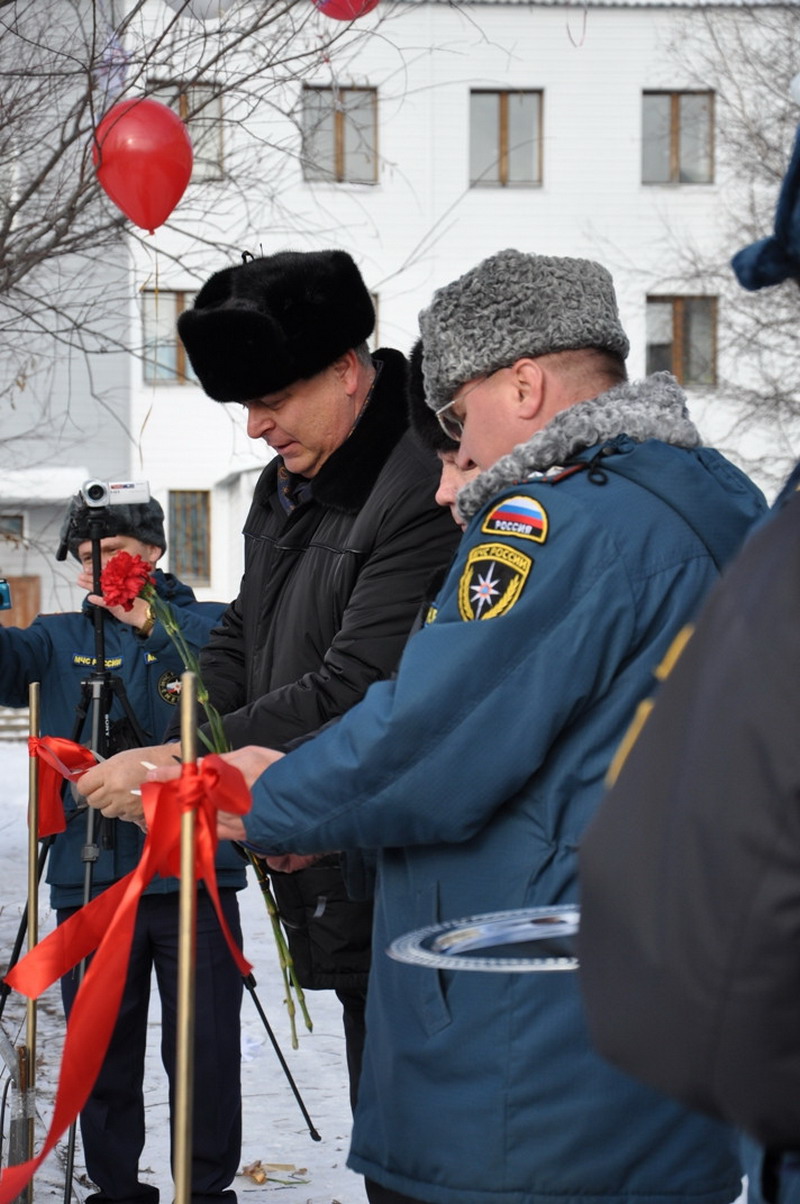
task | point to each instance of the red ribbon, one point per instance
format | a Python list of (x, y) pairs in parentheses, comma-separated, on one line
[(58, 758), (106, 924)]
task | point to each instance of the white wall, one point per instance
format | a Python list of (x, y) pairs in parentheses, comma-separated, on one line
[(422, 226)]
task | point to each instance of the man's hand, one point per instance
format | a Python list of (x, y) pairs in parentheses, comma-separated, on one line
[(251, 762), (135, 617), (109, 786)]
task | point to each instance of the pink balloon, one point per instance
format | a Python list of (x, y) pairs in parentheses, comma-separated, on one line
[(143, 156), (345, 10)]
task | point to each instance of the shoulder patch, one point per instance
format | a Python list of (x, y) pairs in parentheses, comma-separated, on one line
[(522, 516), (169, 687), (492, 580)]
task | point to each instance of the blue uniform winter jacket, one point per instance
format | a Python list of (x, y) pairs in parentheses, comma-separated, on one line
[(58, 651), (475, 772)]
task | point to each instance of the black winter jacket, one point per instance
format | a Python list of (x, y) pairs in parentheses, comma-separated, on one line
[(326, 603)]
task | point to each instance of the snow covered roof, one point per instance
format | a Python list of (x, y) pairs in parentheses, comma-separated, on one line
[(37, 486)]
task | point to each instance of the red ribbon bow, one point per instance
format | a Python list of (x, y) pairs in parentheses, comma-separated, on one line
[(106, 924), (58, 758)]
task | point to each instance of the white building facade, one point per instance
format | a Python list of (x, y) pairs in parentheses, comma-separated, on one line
[(430, 135)]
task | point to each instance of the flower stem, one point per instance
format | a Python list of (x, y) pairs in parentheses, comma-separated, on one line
[(285, 959), (217, 742)]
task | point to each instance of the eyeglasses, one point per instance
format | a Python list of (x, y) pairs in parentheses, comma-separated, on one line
[(450, 422)]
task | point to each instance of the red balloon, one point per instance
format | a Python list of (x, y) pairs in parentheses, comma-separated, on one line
[(345, 10), (143, 157)]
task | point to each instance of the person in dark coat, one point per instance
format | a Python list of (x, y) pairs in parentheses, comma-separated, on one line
[(691, 918), (597, 523), (341, 540), (59, 652)]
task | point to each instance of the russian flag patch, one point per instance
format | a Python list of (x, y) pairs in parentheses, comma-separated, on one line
[(521, 516)]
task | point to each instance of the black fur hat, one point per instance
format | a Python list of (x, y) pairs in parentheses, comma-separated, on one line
[(257, 327), (423, 420), (142, 520)]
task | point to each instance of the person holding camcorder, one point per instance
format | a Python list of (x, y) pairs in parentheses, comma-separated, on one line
[(143, 670)]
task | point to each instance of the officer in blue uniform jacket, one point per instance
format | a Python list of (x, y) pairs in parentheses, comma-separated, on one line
[(58, 651), (595, 528)]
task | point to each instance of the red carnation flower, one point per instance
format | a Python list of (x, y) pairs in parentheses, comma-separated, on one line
[(124, 578)]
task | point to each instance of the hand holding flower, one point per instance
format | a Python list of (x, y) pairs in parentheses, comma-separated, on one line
[(135, 617), (125, 579), (122, 581)]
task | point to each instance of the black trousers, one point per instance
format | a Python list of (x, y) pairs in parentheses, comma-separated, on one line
[(113, 1122), (355, 1030)]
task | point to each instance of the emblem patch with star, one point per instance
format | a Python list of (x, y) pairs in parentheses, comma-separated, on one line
[(169, 687), (492, 581), (522, 516)]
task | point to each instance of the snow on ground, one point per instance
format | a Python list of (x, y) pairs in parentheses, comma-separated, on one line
[(307, 1172)]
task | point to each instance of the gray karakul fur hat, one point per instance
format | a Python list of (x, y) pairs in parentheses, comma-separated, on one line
[(143, 521), (510, 306), (261, 325), (424, 424)]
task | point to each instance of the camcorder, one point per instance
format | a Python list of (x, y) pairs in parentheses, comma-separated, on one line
[(5, 595), (115, 493), (99, 495)]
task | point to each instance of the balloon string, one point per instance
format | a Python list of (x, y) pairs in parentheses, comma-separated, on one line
[(156, 327)]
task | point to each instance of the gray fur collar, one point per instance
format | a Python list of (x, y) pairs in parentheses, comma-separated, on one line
[(654, 408)]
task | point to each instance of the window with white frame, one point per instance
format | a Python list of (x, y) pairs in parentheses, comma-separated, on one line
[(340, 135), (682, 338), (505, 138), (677, 137), (12, 527), (190, 535), (200, 107), (164, 357)]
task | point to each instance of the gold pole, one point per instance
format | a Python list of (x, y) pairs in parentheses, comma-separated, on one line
[(187, 923), (27, 1084)]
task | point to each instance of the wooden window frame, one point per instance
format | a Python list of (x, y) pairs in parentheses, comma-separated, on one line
[(675, 134), (503, 139), (340, 129), (179, 97), (678, 303), (182, 300)]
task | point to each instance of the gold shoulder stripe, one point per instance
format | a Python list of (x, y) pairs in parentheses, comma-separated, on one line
[(661, 673)]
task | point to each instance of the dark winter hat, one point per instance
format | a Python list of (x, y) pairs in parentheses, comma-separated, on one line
[(257, 327), (513, 305), (775, 259), (143, 521), (424, 423)]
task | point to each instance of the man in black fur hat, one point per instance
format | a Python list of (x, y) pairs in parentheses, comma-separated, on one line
[(340, 543)]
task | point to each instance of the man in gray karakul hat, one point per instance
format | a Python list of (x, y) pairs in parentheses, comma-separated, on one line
[(594, 530)]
